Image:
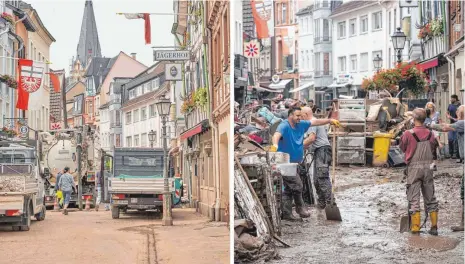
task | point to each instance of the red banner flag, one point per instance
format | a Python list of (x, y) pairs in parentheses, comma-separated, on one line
[(146, 17), (23, 96), (260, 23), (55, 82)]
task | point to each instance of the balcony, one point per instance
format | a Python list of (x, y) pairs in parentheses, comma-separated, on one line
[(115, 99), (434, 46), (323, 73), (195, 117), (221, 92), (322, 39)]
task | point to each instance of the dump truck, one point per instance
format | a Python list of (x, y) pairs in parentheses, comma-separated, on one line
[(137, 180), (21, 184)]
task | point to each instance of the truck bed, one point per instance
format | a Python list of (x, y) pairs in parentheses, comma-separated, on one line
[(138, 185), (17, 179)]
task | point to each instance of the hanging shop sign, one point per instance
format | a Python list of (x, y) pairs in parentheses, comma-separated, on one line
[(275, 79), (173, 72), (171, 55), (252, 49)]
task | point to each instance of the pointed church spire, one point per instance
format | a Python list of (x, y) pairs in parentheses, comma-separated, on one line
[(89, 45)]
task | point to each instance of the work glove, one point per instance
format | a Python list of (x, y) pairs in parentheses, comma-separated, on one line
[(335, 122), (273, 148)]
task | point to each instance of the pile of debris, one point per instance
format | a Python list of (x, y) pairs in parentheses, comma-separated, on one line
[(11, 183)]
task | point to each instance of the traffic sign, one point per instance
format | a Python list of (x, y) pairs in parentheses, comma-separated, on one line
[(171, 55), (24, 130)]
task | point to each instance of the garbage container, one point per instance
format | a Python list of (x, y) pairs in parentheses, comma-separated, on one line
[(381, 146)]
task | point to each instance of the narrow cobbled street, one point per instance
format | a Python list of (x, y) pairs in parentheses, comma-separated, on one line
[(371, 202), (139, 238)]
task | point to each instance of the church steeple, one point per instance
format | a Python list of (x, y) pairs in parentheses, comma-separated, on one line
[(89, 45)]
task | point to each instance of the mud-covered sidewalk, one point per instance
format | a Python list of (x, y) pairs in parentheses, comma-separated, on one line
[(371, 202)]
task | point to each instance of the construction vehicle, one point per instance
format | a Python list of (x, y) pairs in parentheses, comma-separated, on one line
[(59, 151), (21, 184), (137, 180)]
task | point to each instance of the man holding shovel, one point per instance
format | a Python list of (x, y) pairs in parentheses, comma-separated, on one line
[(318, 142), (418, 144), (457, 127), (289, 138)]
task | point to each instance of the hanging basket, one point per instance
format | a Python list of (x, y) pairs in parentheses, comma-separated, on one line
[(8, 80)]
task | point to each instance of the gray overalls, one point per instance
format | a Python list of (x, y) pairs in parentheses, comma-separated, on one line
[(420, 176)]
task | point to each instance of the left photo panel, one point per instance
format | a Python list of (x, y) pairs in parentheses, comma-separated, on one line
[(115, 130)]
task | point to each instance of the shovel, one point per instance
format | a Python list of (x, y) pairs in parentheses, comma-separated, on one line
[(331, 210), (405, 221)]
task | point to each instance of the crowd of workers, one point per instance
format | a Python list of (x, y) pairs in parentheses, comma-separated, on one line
[(299, 131)]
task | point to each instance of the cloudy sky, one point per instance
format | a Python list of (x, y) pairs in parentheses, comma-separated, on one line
[(63, 20)]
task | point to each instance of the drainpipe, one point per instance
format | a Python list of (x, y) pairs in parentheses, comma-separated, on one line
[(451, 70), (215, 141)]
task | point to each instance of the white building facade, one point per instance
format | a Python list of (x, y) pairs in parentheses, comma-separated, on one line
[(139, 111), (306, 57), (360, 33)]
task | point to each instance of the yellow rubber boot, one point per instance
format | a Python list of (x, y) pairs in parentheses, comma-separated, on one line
[(434, 223), (415, 223)]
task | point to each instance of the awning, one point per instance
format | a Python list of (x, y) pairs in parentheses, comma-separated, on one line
[(454, 49), (280, 85), (338, 85), (304, 86), (428, 64), (199, 128), (263, 89)]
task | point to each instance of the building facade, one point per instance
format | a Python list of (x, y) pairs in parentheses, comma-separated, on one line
[(306, 57), (140, 116), (219, 58), (360, 25)]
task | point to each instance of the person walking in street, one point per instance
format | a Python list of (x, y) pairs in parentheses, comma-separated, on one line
[(432, 118), (418, 144), (58, 193), (289, 138), (318, 143), (66, 185), (457, 127), (452, 135)]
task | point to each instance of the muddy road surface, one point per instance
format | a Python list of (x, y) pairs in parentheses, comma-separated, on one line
[(371, 202), (139, 238)]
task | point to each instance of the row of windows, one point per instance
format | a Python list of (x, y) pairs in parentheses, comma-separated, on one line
[(353, 65), (140, 114), (376, 24), (140, 140), (144, 88)]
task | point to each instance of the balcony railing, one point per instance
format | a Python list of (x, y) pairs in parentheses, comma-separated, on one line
[(323, 73), (434, 46), (322, 39), (195, 116)]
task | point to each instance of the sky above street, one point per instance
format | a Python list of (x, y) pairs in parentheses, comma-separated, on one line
[(63, 19)]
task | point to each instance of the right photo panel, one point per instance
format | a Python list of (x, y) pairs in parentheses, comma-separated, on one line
[(348, 131)]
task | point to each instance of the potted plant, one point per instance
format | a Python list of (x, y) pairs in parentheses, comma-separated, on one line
[(406, 75), (437, 28), (8, 80), (201, 97), (8, 18), (189, 104), (425, 32)]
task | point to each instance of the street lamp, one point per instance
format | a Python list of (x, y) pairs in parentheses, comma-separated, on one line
[(398, 42), (163, 107), (377, 62), (152, 135)]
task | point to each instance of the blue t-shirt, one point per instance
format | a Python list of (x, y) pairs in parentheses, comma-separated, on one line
[(292, 139)]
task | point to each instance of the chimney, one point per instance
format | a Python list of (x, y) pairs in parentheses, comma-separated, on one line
[(133, 55)]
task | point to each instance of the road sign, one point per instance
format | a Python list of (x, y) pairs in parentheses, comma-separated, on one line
[(24, 130), (173, 72), (171, 55)]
